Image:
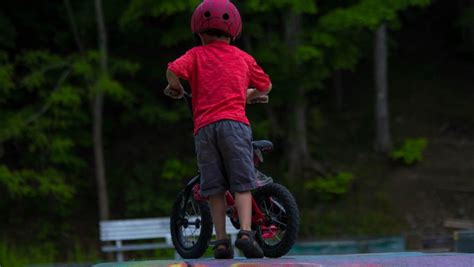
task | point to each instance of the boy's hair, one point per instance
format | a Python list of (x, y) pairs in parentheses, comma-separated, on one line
[(217, 33)]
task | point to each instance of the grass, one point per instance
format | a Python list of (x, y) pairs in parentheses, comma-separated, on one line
[(13, 256)]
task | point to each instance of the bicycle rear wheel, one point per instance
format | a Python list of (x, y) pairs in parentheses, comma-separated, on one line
[(278, 234), (191, 231)]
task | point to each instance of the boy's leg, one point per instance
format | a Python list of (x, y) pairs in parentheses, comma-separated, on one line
[(213, 185), (222, 247), (218, 209), (243, 201), (235, 144), (246, 237)]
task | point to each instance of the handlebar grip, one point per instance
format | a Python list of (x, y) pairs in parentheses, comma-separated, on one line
[(260, 100), (171, 93)]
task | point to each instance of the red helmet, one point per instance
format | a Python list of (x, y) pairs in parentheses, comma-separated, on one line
[(217, 14)]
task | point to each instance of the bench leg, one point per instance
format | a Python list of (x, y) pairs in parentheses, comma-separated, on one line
[(118, 244), (233, 237), (120, 256)]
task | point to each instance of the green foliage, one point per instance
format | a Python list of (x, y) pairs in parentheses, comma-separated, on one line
[(28, 183), (174, 169), (307, 53), (366, 14), (83, 68), (305, 6), (84, 254), (141, 8), (411, 151), (6, 76), (337, 184), (66, 96), (261, 129), (154, 187), (336, 222), (40, 60), (13, 256), (111, 88), (86, 67), (156, 114)]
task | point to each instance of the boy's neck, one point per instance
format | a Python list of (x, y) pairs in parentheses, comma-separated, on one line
[(207, 39)]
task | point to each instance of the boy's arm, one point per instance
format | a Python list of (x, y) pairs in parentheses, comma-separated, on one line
[(180, 68), (259, 82), (174, 88), (256, 96)]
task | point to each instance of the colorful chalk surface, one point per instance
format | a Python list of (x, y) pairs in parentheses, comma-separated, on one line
[(405, 259)]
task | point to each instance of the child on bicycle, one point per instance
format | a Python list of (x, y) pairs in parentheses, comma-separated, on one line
[(219, 75)]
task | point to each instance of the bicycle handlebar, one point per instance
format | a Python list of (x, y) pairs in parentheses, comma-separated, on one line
[(263, 99)]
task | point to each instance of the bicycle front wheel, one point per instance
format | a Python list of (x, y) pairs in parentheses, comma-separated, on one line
[(191, 230)]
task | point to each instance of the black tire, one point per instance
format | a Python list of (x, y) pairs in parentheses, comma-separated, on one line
[(282, 215), (191, 247)]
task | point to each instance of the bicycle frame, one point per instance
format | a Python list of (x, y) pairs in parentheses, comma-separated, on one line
[(193, 189)]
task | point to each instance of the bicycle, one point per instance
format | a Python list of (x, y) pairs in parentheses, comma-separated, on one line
[(275, 215)]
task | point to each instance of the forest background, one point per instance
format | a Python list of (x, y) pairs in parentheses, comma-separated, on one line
[(371, 116)]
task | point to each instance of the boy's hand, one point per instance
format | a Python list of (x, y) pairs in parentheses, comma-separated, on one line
[(175, 93), (255, 97), (263, 99)]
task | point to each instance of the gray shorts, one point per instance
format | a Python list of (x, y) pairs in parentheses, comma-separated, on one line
[(224, 154)]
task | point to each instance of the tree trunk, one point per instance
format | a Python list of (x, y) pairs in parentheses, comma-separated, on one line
[(97, 107), (383, 142), (299, 157), (72, 22), (299, 153), (338, 89)]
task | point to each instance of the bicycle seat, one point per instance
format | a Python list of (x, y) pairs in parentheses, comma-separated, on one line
[(263, 145)]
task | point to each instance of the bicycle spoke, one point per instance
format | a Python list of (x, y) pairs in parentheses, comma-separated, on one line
[(276, 213), (189, 234), (279, 222), (194, 208), (265, 206)]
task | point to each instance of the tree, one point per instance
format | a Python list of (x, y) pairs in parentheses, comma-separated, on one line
[(381, 13), (97, 106), (299, 154), (383, 140)]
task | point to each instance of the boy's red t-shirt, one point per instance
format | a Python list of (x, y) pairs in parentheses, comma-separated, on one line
[(219, 75)]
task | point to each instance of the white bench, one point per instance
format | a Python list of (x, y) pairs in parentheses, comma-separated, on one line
[(119, 231)]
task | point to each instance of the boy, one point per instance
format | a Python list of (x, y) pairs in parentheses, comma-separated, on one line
[(220, 75)]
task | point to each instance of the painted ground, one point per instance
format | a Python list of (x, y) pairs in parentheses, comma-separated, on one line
[(408, 259)]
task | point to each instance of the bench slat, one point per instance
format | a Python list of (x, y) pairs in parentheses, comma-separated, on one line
[(114, 237), (136, 247), (135, 222), (132, 227), (138, 230), (127, 227)]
